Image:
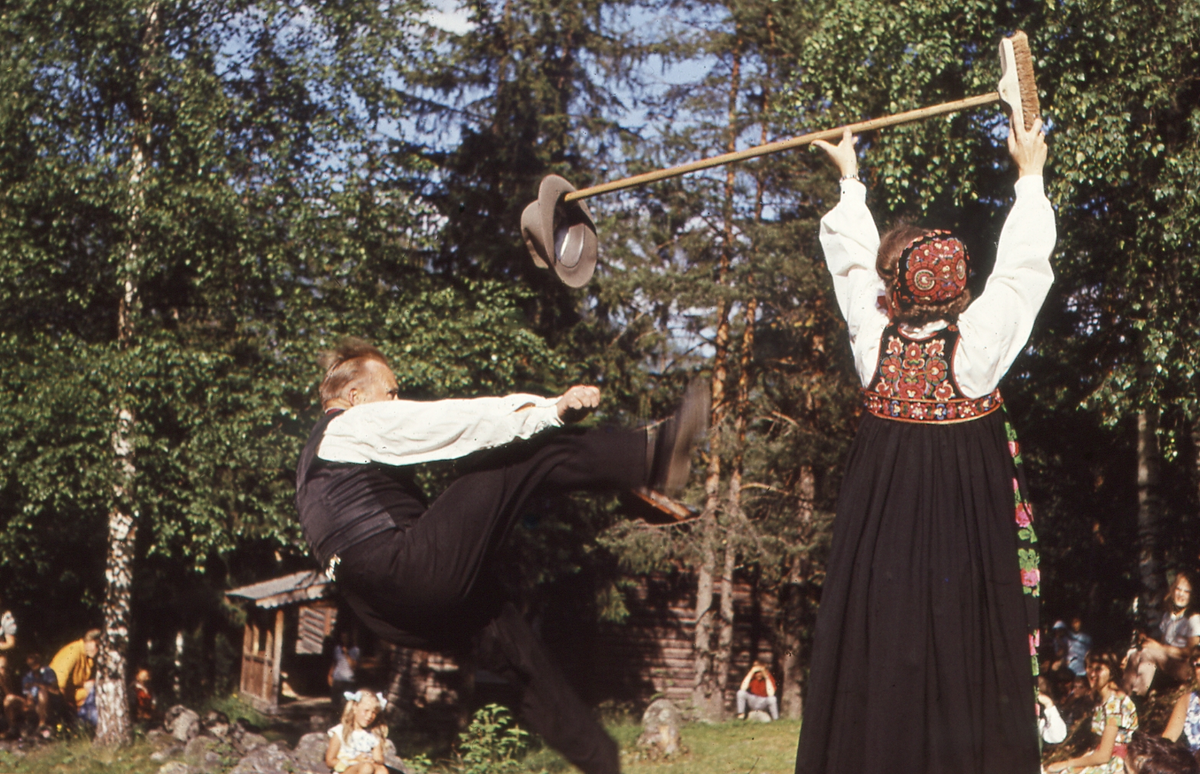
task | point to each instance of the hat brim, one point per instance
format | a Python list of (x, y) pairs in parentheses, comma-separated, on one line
[(560, 234)]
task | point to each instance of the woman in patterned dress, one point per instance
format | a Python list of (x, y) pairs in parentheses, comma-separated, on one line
[(1185, 717), (1114, 721), (922, 658)]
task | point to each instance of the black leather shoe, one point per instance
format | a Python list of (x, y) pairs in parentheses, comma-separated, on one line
[(672, 440)]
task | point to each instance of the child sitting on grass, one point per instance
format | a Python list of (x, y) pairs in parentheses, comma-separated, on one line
[(356, 744)]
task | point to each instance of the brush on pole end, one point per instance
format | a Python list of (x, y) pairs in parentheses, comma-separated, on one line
[(1031, 108), (1018, 87)]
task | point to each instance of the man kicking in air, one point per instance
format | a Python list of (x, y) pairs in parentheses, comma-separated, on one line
[(419, 574)]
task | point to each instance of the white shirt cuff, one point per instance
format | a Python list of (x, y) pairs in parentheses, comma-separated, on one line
[(1030, 185), (854, 189)]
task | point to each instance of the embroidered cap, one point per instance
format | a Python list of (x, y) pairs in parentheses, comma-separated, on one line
[(932, 269)]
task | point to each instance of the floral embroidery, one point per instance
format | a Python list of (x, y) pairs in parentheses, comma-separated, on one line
[(1030, 575), (913, 381), (1024, 515), (956, 410), (1027, 553), (934, 267), (915, 370)]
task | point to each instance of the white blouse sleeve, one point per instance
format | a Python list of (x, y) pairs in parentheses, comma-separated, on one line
[(406, 432), (996, 325), (850, 242), (1054, 730)]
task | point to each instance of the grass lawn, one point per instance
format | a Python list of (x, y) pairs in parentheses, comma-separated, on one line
[(79, 756), (726, 748), (735, 747)]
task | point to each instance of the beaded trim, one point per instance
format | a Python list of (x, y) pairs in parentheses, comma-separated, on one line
[(931, 411)]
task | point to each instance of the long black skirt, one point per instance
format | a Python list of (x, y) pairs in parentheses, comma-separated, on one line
[(921, 661)]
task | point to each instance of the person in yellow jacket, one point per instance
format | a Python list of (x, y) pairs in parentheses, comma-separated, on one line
[(73, 667)]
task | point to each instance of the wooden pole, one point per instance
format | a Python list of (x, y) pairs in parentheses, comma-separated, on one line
[(906, 117)]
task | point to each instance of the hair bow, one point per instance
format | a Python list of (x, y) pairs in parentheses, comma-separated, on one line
[(357, 696)]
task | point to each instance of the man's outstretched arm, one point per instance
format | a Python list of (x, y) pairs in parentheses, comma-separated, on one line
[(404, 432)]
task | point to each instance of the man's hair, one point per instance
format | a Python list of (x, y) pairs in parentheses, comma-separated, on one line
[(345, 364), (93, 635), (1151, 754), (891, 245)]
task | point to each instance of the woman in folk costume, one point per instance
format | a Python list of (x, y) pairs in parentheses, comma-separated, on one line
[(928, 620)]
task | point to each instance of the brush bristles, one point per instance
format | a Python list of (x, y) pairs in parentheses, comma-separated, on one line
[(1023, 58)]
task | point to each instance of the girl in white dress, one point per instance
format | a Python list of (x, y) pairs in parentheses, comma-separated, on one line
[(356, 744)]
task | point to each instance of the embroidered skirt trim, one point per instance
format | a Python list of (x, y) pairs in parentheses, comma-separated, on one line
[(931, 411)]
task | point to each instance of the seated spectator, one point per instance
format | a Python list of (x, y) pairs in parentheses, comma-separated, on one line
[(73, 666), (1179, 630), (1113, 722), (42, 695), (8, 629), (1071, 646), (143, 699), (757, 692), (14, 702), (1150, 754), (356, 744), (1050, 724), (1185, 716)]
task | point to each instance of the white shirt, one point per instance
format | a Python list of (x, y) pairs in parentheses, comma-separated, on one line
[(360, 743), (409, 432), (996, 325), (1176, 629), (1051, 725)]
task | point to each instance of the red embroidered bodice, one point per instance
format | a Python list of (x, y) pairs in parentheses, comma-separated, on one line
[(914, 381)]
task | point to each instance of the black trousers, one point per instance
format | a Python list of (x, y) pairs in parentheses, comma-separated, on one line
[(428, 586)]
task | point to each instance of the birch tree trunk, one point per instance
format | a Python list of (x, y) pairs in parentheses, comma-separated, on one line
[(112, 702)]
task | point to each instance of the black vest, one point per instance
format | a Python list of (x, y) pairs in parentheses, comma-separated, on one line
[(342, 504)]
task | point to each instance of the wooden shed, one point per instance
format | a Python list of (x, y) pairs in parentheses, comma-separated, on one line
[(309, 594)]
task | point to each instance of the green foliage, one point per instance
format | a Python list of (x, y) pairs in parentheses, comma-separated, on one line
[(278, 210), (1117, 336), (493, 743)]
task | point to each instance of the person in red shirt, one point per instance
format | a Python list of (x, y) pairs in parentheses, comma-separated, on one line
[(757, 692)]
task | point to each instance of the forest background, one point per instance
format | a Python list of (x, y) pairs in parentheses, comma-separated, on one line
[(197, 197)]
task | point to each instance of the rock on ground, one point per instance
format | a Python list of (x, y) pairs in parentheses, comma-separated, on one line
[(310, 753), (758, 716), (250, 741), (175, 767), (271, 759), (204, 752), (159, 739), (660, 728), (183, 723), (216, 723), (391, 759)]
